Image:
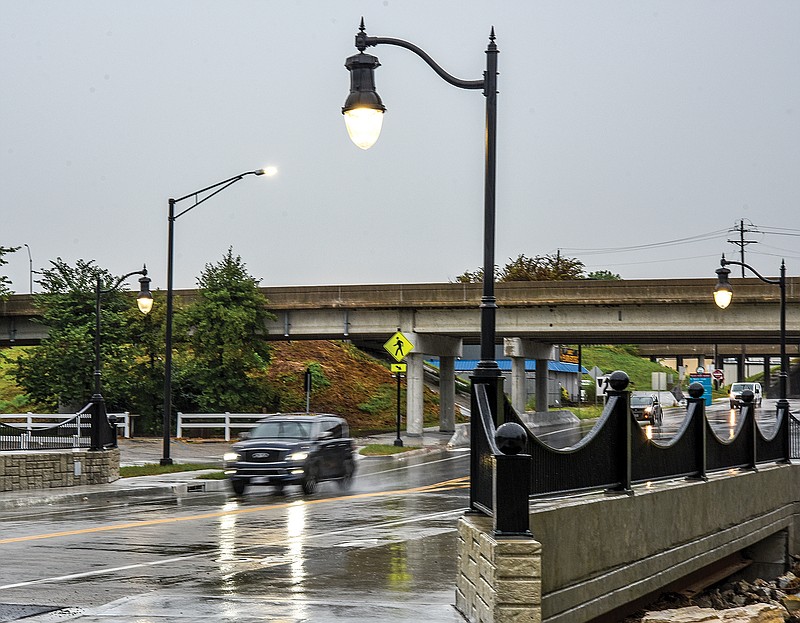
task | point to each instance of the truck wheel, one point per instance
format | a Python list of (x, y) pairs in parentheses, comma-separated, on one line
[(309, 483), (238, 486)]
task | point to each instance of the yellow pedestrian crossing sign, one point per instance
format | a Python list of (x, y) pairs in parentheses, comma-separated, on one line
[(398, 346), (398, 368)]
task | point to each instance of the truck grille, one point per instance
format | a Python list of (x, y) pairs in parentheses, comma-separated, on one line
[(264, 456)]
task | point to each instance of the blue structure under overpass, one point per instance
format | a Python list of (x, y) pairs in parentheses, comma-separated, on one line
[(559, 375)]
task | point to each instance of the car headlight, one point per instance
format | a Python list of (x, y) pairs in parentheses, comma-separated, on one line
[(648, 409), (231, 456), (298, 456)]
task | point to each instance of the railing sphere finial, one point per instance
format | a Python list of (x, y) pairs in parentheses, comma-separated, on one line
[(510, 438), (696, 390), (619, 381)]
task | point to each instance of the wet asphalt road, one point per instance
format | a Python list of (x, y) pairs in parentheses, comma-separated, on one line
[(388, 542)]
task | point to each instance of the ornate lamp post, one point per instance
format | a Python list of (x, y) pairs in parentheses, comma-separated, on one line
[(214, 189), (723, 294), (145, 302), (363, 111)]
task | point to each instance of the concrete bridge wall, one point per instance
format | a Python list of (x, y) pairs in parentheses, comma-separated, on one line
[(602, 551)]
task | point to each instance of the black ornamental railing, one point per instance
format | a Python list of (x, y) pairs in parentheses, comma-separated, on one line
[(616, 454)]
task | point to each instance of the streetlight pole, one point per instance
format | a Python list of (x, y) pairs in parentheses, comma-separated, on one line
[(363, 112), (30, 269), (723, 293), (214, 189), (145, 302)]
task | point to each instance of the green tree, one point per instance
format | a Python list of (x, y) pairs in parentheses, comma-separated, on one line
[(5, 289), (554, 267), (229, 354), (60, 370), (603, 275)]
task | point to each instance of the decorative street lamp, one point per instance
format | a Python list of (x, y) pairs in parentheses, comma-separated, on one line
[(363, 111), (723, 293), (145, 302), (216, 188)]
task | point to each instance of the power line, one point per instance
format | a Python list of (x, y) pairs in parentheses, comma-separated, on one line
[(666, 243)]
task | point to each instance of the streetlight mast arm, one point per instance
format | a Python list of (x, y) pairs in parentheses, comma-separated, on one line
[(219, 186)]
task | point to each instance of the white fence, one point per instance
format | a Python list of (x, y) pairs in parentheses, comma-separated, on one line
[(226, 421), (35, 421)]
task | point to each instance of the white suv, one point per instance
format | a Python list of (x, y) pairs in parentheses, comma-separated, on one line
[(736, 394)]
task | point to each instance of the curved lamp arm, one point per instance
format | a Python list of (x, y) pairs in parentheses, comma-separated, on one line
[(723, 262), (363, 41)]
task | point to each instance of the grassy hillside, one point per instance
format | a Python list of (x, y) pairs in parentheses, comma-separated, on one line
[(624, 357), (12, 400), (344, 381)]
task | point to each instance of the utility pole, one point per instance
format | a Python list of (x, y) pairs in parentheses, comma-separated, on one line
[(742, 243)]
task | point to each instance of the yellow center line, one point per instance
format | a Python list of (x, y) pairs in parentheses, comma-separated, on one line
[(456, 483)]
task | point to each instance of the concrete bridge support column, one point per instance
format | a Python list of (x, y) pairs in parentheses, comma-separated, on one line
[(447, 394), (519, 390), (518, 348), (446, 349), (766, 381), (541, 386), (414, 395)]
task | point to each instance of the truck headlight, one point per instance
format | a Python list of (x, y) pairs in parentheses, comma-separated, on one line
[(298, 456), (231, 457)]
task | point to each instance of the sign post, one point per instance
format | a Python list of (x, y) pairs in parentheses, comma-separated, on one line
[(719, 377), (308, 389), (398, 346)]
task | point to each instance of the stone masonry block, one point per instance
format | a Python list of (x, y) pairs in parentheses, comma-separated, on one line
[(519, 592), (528, 567), (471, 570), (505, 614), (485, 591)]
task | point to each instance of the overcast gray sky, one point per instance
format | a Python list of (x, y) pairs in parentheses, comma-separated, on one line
[(621, 124)]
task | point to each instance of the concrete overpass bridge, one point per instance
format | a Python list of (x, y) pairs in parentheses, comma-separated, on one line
[(440, 318)]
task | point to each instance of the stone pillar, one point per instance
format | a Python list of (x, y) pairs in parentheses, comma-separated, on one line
[(541, 386), (701, 362), (414, 395), (499, 578), (447, 394), (519, 390)]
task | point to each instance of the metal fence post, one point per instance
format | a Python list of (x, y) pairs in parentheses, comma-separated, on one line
[(697, 404), (618, 382), (512, 482)]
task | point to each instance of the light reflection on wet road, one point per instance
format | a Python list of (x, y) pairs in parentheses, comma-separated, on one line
[(394, 531)]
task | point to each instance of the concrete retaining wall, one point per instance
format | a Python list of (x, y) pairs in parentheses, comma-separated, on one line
[(600, 552), (57, 468)]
